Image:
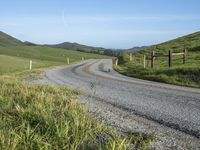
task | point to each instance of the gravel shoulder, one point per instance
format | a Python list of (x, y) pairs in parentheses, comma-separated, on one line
[(170, 112)]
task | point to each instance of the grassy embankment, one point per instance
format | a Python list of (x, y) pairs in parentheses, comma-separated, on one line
[(179, 74), (16, 58), (50, 117)]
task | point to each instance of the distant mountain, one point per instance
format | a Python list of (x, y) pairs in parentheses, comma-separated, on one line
[(134, 49), (90, 49), (137, 48), (15, 55), (82, 48), (6, 39), (29, 43)]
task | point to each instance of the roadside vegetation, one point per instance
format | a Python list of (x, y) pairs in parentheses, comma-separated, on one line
[(50, 117), (46, 117), (180, 74)]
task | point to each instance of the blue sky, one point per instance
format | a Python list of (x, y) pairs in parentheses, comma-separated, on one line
[(106, 23)]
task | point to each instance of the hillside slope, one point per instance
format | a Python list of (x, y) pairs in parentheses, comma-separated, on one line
[(190, 42), (181, 74), (77, 47), (15, 55), (6, 40)]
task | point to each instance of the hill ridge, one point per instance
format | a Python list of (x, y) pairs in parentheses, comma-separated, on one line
[(6, 39), (190, 42)]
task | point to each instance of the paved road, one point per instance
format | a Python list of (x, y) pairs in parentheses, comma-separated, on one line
[(173, 106)]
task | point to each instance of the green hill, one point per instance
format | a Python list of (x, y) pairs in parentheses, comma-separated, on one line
[(15, 55), (6, 40), (190, 42), (181, 74), (82, 48), (77, 47)]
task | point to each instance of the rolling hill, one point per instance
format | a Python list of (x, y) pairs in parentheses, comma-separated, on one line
[(181, 74), (15, 55), (78, 47), (97, 50), (190, 42), (82, 48), (6, 40)]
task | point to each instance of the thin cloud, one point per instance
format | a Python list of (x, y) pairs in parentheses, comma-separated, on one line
[(107, 18)]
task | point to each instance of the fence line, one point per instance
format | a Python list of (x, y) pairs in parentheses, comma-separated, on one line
[(170, 56), (153, 55)]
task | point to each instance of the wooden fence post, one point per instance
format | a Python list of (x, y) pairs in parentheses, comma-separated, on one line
[(68, 60), (153, 59), (116, 62), (170, 58), (185, 56), (144, 61), (31, 62)]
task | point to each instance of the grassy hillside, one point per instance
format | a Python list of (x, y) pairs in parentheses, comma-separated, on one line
[(181, 74), (6, 40), (15, 55), (10, 64), (190, 42), (77, 47), (45, 53)]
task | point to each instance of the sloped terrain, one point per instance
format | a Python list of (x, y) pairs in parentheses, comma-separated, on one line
[(181, 74), (15, 55)]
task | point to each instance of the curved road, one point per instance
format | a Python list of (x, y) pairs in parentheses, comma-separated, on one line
[(172, 106)]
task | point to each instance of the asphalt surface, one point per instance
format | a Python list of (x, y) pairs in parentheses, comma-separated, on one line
[(172, 106)]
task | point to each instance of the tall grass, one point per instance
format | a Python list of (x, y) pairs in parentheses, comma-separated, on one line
[(45, 117), (10, 64)]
